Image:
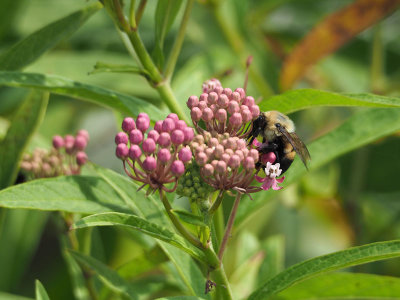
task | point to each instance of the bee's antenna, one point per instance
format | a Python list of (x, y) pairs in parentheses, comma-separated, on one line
[(246, 77)]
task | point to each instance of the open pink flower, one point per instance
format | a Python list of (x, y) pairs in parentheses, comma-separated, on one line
[(272, 171)]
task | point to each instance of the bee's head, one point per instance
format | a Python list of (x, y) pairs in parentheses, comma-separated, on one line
[(273, 120)]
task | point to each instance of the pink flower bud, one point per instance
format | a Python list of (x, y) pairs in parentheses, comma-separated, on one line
[(143, 115), (223, 101), (254, 154), (255, 111), (128, 124), (248, 163), (248, 101), (221, 167), (164, 155), (214, 163), (241, 143), (241, 92), (177, 137), (212, 98), (268, 157), (229, 152), (81, 158), (122, 151), (214, 108), (153, 134), (221, 115), (158, 126), (219, 150), (69, 142), (236, 120), (199, 139), (195, 114), (80, 142), (227, 91), (234, 161), (149, 145), (193, 101), (246, 115), (189, 134), (168, 125), (236, 96), (173, 117), (177, 168), (201, 158), (208, 170), (180, 124), (231, 143), (213, 142), (207, 114), (233, 107), (149, 164), (240, 154), (164, 140), (58, 142), (135, 152), (209, 152), (202, 105), (204, 97), (225, 157), (83, 133), (142, 124), (185, 154), (218, 89), (136, 136), (121, 138)]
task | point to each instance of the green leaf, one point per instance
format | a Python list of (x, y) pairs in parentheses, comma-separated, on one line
[(6, 296), (101, 67), (274, 251), (360, 129), (32, 47), (334, 261), (180, 298), (305, 98), (153, 211), (75, 194), (24, 123), (344, 286), (63, 86), (137, 223), (108, 276), (188, 217), (40, 291)]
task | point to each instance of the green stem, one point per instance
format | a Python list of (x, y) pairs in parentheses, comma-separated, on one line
[(238, 46), (132, 19), (178, 225), (176, 48), (219, 224), (140, 11), (229, 227), (120, 15), (216, 203), (223, 287), (165, 91)]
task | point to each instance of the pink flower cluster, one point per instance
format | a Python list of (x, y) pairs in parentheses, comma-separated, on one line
[(156, 157), (226, 162), (66, 157), (222, 110)]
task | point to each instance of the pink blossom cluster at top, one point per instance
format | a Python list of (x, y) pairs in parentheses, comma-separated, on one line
[(226, 162), (158, 156), (222, 110), (66, 157)]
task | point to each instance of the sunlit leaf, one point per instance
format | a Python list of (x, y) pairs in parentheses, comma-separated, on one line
[(332, 33), (295, 100), (101, 67), (344, 286), (188, 217), (6, 296), (137, 223), (41, 293), (32, 47), (63, 86), (24, 123), (362, 128), (330, 262)]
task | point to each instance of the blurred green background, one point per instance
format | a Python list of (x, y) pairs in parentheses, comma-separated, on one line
[(353, 200)]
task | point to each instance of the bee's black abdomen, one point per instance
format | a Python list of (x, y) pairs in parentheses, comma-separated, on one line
[(284, 164)]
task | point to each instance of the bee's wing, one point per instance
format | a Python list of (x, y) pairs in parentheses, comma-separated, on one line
[(297, 145)]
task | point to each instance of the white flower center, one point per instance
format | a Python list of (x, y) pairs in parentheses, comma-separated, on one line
[(273, 170)]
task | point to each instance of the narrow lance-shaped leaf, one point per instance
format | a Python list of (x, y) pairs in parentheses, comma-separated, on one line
[(332, 33), (338, 260), (41, 293), (63, 86), (108, 276), (23, 125), (344, 286), (32, 47), (295, 100), (362, 128), (137, 223), (101, 67)]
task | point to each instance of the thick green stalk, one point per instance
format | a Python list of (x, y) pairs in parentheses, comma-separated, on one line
[(238, 46), (223, 287), (219, 224), (176, 49), (166, 93)]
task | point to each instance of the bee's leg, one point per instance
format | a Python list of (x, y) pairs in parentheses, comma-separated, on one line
[(266, 148)]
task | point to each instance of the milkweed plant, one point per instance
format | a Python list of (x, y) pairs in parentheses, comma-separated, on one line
[(184, 211)]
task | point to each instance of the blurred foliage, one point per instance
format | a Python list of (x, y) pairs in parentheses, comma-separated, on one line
[(347, 199)]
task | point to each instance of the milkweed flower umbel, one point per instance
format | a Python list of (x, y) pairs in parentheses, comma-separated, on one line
[(222, 110), (158, 156)]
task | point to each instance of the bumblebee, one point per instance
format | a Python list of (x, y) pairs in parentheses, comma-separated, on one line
[(278, 136)]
